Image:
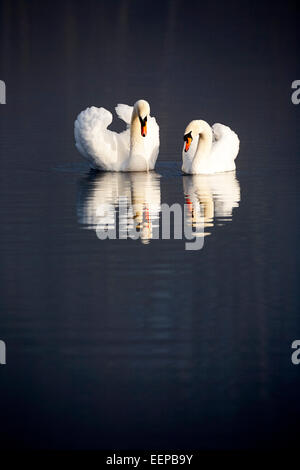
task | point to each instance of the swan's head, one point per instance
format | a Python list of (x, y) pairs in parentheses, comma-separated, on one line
[(192, 131), (142, 109)]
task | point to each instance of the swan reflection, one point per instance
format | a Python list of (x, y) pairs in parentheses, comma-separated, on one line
[(210, 199), (134, 197)]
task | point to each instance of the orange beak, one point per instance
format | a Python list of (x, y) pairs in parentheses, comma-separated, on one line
[(187, 144), (144, 129)]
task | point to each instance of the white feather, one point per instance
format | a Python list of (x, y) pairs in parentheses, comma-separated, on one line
[(124, 112), (111, 151), (215, 153)]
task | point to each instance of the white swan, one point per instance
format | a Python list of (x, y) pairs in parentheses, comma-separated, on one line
[(135, 149), (209, 150)]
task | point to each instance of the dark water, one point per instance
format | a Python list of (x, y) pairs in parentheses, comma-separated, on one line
[(143, 344)]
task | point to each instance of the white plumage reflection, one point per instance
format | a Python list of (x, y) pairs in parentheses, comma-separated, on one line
[(126, 204), (210, 199)]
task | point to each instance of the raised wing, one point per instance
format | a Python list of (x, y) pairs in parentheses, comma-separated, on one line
[(124, 112), (92, 138)]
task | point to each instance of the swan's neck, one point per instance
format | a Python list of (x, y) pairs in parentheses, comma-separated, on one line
[(203, 148), (135, 130), (137, 145)]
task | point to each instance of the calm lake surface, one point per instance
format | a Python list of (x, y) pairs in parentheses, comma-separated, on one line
[(115, 344)]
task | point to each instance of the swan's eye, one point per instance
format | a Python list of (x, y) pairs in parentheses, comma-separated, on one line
[(187, 136)]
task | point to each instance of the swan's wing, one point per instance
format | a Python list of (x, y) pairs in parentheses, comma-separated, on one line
[(152, 142), (223, 135), (225, 147), (124, 112), (92, 138)]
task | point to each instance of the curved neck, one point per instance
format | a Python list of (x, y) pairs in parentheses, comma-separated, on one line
[(137, 158), (134, 129), (203, 147)]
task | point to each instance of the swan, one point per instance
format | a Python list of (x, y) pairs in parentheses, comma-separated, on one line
[(135, 149), (208, 149)]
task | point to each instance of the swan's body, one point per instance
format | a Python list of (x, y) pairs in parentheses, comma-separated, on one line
[(135, 149), (209, 150)]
